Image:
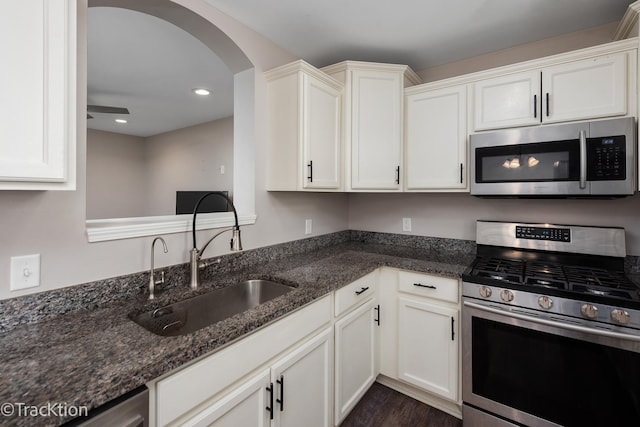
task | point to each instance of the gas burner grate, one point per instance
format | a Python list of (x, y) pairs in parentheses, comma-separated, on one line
[(502, 269), (544, 274), (583, 276)]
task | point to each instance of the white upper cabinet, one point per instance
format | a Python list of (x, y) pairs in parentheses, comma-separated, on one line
[(304, 129), (373, 115), (38, 102), (577, 90), (436, 137), (591, 88), (506, 101)]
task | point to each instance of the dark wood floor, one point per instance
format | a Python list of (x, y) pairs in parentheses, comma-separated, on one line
[(384, 407)]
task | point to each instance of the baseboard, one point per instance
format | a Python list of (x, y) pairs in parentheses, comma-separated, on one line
[(444, 405)]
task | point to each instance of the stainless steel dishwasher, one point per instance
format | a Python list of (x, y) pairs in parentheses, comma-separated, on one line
[(129, 410)]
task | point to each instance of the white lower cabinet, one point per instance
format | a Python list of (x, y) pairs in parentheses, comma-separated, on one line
[(428, 346), (356, 356), (303, 384), (295, 391), (244, 406)]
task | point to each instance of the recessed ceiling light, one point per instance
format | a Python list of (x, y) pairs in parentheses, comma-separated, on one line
[(201, 91), (121, 121)]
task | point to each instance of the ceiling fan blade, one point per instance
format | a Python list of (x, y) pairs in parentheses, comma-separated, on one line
[(107, 110)]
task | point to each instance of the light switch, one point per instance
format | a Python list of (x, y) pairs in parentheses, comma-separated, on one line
[(308, 226), (25, 272)]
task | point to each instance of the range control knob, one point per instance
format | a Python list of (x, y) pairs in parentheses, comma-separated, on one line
[(506, 295), (620, 316), (545, 302), (589, 311), (484, 292)]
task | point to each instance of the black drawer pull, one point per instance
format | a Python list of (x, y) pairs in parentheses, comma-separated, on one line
[(281, 400), (362, 290), (270, 407), (453, 333), (424, 286), (377, 319)]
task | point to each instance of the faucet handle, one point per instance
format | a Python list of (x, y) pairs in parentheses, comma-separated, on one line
[(160, 281)]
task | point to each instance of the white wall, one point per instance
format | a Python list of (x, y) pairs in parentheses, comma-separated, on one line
[(116, 175), (53, 223), (130, 176), (189, 159), (454, 215), (547, 47)]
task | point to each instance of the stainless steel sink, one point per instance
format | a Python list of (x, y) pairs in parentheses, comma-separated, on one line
[(195, 313)]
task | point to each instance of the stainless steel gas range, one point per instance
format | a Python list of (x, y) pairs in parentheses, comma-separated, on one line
[(550, 328)]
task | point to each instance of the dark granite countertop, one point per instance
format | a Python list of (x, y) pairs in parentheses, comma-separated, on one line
[(91, 356)]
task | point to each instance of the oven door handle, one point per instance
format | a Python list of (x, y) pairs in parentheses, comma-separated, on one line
[(575, 328), (583, 160)]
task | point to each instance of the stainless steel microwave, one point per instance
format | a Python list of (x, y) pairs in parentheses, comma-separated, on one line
[(569, 160)]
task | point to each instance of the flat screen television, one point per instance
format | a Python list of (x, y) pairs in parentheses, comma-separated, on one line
[(186, 202)]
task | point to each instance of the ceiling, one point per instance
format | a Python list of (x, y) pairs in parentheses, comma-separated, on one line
[(418, 33), (150, 66)]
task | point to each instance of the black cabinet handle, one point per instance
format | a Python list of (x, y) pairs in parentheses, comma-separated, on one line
[(461, 167), (535, 106), (547, 104), (398, 175), (362, 290), (377, 319), (281, 400), (424, 286), (453, 333), (310, 166), (270, 407)]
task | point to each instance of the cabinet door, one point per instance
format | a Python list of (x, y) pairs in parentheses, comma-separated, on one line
[(436, 136), (37, 83), (428, 346), (322, 134), (355, 357), (244, 406), (507, 101), (376, 129), (590, 88), (302, 384)]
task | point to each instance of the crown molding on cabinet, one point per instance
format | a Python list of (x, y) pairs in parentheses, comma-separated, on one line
[(302, 66), (409, 74), (628, 23)]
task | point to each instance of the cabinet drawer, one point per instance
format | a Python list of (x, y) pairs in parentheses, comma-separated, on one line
[(356, 293), (426, 285)]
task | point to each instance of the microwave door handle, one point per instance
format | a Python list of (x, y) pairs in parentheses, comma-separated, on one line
[(583, 160)]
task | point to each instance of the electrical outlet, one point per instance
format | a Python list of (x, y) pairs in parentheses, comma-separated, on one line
[(307, 226), (406, 224), (25, 272), (221, 169)]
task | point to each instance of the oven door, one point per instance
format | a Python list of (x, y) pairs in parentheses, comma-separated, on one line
[(542, 372)]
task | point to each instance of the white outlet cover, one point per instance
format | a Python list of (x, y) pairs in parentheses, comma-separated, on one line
[(308, 226), (406, 224), (25, 272)]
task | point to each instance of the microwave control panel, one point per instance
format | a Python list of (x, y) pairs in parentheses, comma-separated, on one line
[(606, 158), (554, 234)]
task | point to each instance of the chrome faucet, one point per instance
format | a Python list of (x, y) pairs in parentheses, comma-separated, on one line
[(152, 280), (196, 254)]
